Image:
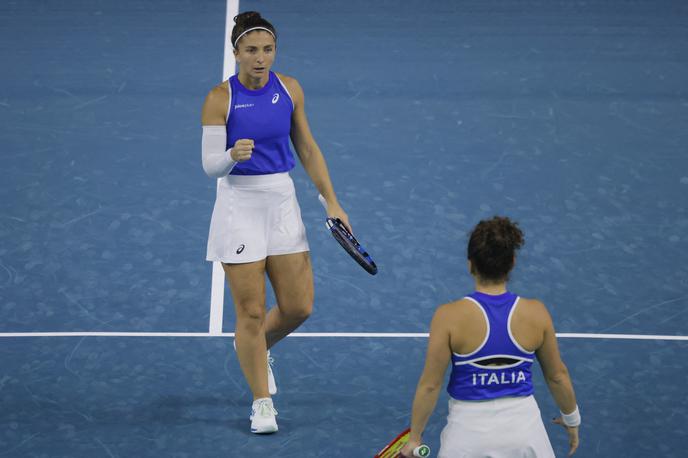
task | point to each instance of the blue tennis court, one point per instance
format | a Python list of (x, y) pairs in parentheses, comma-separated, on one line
[(567, 116)]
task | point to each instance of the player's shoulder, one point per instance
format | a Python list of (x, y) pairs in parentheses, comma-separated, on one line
[(286, 79), (219, 91), (531, 303), (215, 105), (461, 306), (457, 315), (291, 83), (534, 308), (218, 96)]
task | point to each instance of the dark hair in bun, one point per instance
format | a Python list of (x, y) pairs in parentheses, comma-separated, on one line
[(248, 20), (492, 247)]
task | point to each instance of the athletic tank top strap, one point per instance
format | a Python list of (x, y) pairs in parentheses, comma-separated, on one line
[(499, 341), (499, 367)]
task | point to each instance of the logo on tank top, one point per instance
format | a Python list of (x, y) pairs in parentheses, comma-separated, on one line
[(275, 98), (240, 249), (493, 379), (243, 105)]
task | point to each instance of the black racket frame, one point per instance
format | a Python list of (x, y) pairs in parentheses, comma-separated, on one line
[(351, 245)]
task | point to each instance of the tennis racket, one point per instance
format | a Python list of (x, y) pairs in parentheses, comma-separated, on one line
[(393, 449), (349, 242)]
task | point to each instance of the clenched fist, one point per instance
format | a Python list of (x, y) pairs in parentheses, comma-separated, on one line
[(242, 149)]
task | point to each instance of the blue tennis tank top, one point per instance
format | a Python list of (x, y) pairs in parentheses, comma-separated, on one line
[(264, 116), (472, 381)]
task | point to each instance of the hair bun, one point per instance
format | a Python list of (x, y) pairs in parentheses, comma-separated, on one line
[(246, 16), (492, 246), (247, 22)]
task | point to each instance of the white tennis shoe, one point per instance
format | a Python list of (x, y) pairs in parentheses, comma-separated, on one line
[(262, 417), (272, 386)]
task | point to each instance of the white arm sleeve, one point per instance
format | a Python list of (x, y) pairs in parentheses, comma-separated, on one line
[(217, 162)]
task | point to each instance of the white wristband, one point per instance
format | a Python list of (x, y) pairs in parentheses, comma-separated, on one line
[(571, 419)]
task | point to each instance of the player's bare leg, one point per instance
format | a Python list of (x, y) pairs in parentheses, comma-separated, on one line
[(291, 277), (247, 284), (292, 280)]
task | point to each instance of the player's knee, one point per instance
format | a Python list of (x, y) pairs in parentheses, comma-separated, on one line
[(301, 312), (251, 315), (304, 312), (251, 324)]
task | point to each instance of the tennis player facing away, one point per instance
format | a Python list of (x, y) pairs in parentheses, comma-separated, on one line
[(491, 337), (256, 225)]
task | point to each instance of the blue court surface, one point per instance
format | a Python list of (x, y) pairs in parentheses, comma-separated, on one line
[(569, 117)]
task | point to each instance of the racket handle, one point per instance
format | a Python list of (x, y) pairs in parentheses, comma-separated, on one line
[(422, 451), (322, 201)]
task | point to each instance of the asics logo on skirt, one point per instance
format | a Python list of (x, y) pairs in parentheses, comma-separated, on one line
[(240, 249)]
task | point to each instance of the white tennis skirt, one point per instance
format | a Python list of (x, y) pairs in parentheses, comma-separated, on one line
[(500, 428), (255, 216)]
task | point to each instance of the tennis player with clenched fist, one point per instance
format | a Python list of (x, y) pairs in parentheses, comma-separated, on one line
[(256, 225)]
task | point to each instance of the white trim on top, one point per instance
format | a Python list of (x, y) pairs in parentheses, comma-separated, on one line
[(492, 368), (508, 327), (474, 361), (284, 86), (229, 101), (487, 334)]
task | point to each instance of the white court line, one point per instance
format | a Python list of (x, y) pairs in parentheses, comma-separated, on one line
[(229, 64), (217, 285), (355, 335), (218, 277)]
